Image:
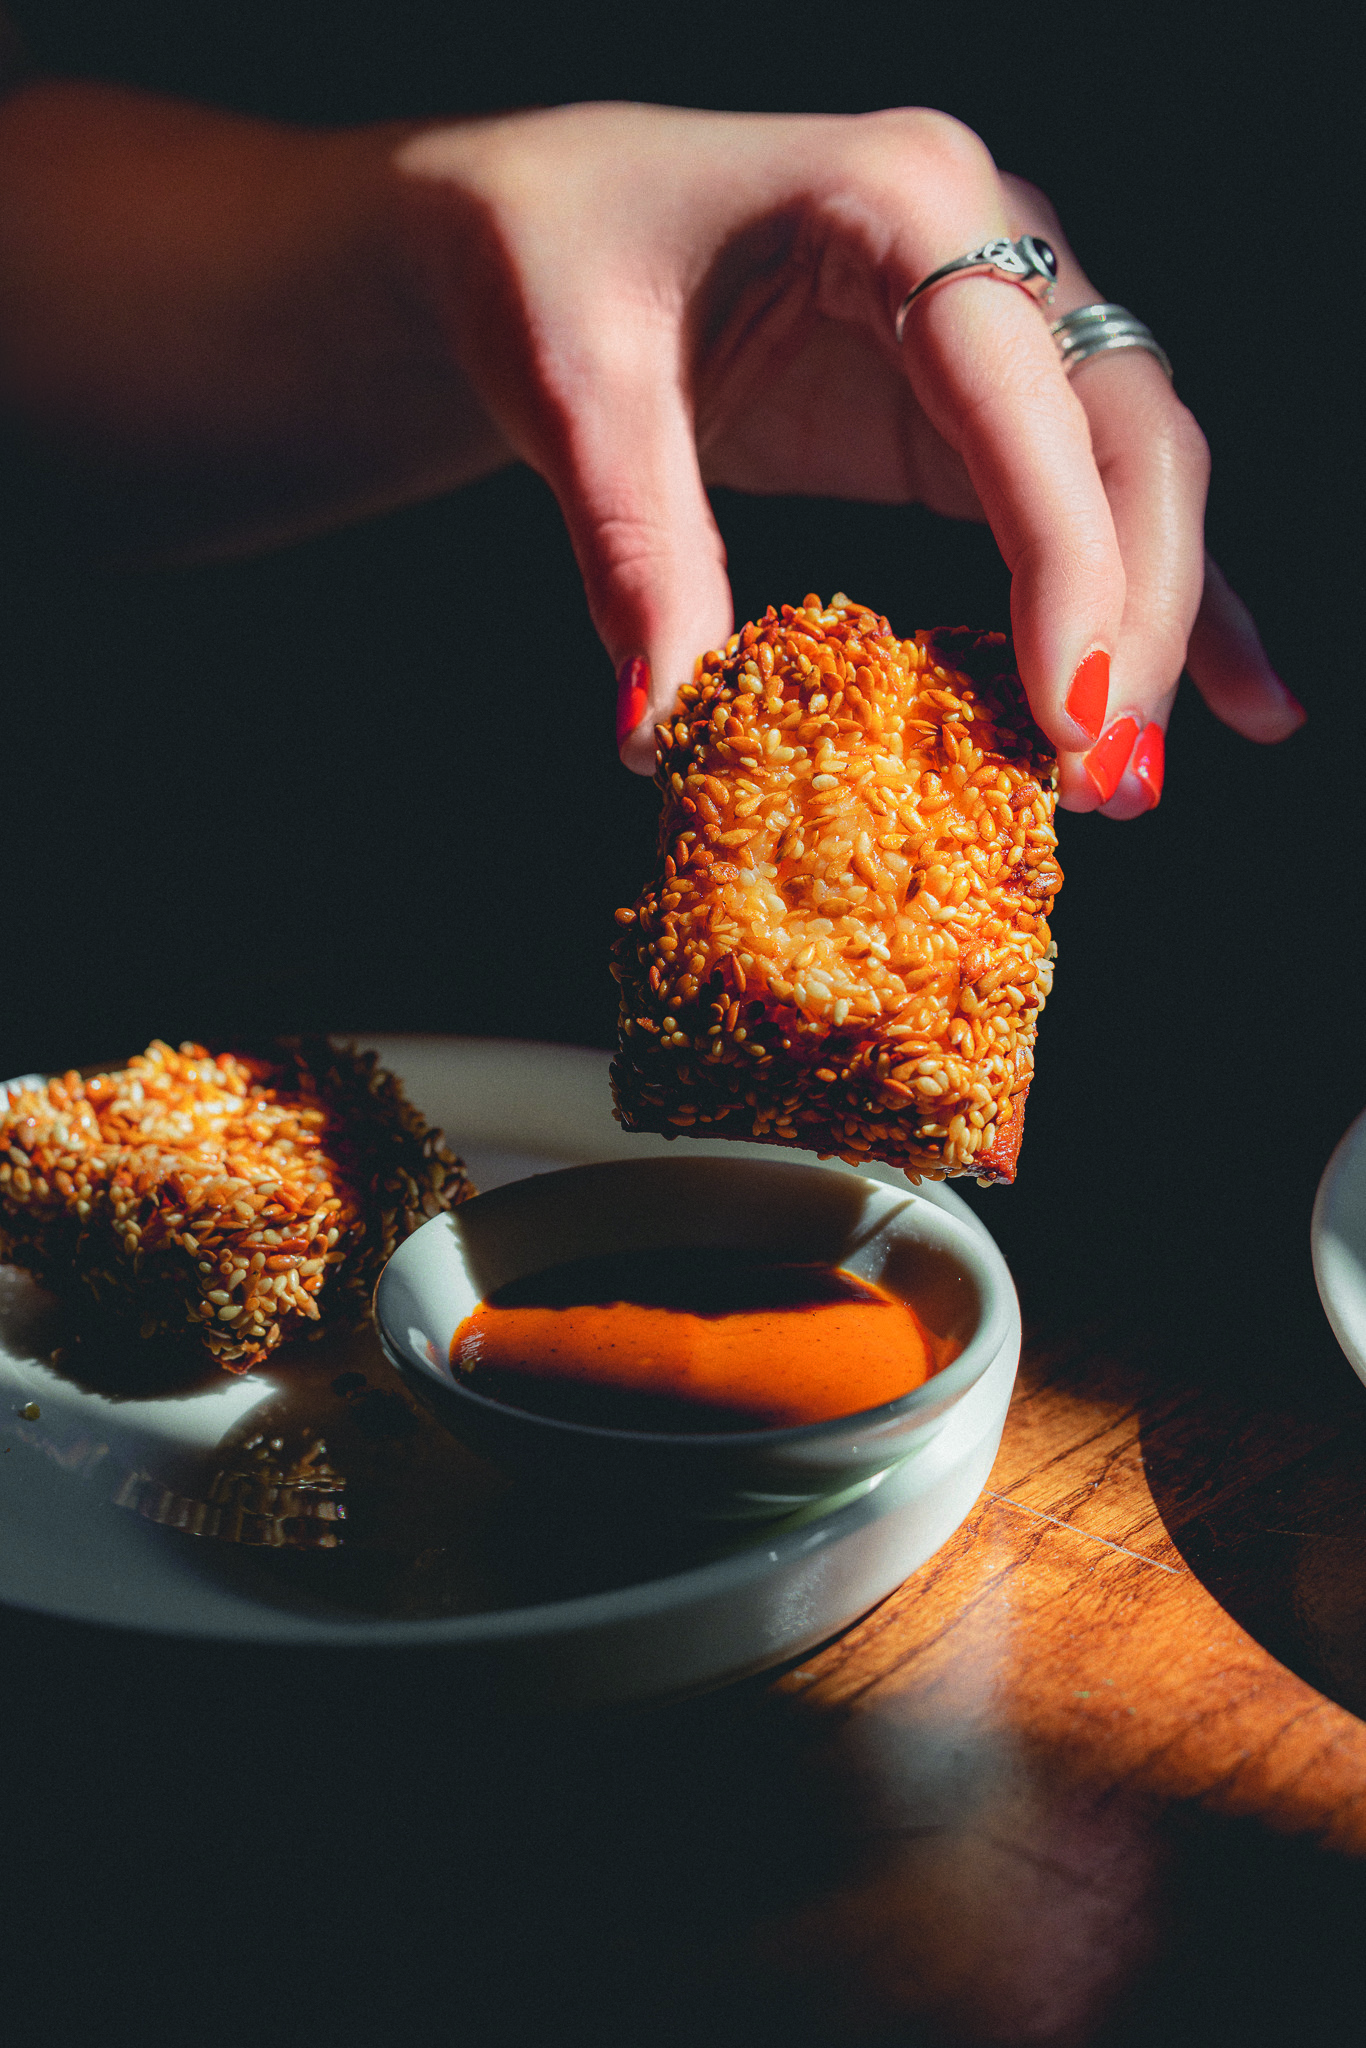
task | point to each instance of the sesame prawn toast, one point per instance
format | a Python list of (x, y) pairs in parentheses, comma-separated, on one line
[(846, 946), (241, 1199)]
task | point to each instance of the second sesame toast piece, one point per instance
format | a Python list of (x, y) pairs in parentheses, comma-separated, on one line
[(238, 1198)]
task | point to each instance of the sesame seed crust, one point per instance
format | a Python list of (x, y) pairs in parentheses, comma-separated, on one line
[(243, 1198), (846, 945)]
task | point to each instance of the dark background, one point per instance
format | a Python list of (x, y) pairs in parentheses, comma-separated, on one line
[(369, 783)]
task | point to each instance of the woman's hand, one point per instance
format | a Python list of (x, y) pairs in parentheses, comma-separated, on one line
[(224, 333), (648, 301)]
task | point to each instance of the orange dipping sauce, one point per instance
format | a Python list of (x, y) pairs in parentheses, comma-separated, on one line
[(695, 1340)]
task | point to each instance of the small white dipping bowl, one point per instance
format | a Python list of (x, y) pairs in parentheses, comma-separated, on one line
[(954, 1276)]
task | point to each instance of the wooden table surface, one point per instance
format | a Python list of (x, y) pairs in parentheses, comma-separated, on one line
[(1094, 1774)]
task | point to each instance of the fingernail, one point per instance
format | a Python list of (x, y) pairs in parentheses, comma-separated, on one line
[(1090, 693), (633, 694), (1148, 760), (1106, 761)]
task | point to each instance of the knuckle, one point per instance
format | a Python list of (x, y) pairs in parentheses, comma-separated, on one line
[(1031, 203), (1189, 445), (1081, 566), (630, 550), (926, 144), (1164, 658), (948, 144), (634, 563)]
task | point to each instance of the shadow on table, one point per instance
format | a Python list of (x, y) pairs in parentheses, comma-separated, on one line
[(1254, 1447), (335, 1848)]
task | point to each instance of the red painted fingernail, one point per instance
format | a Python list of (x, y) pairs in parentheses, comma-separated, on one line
[(1107, 759), (1090, 693), (633, 694), (1148, 760)]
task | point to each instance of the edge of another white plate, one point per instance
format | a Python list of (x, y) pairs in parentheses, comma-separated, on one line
[(1337, 1240)]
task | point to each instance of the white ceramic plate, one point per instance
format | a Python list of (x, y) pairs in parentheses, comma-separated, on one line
[(1337, 1237), (309, 1504)]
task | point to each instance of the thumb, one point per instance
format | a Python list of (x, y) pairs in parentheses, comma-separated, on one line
[(653, 562)]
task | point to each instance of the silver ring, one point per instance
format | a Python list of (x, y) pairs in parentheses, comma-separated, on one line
[(1030, 263), (1095, 330)]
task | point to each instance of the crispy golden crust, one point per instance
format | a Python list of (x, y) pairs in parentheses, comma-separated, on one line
[(241, 1198), (846, 946)]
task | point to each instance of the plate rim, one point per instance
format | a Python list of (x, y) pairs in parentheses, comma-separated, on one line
[(1343, 1176), (645, 1600)]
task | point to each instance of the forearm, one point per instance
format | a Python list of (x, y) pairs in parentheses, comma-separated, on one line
[(209, 330)]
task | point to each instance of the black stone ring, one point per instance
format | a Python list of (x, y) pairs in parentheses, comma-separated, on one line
[(1030, 263)]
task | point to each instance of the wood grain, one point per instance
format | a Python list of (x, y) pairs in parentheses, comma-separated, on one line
[(1067, 1588), (1098, 1694), (1092, 1778)]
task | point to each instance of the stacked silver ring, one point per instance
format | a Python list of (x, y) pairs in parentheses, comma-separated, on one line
[(1095, 330)]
